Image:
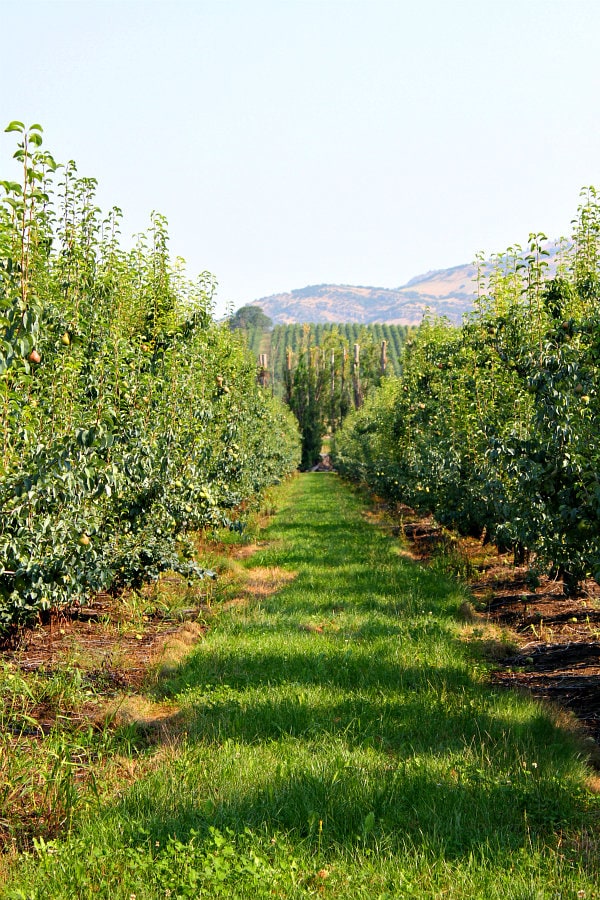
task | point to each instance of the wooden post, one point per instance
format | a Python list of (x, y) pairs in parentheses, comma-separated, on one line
[(332, 363), (263, 369), (332, 396), (273, 373), (288, 375), (383, 357), (356, 377)]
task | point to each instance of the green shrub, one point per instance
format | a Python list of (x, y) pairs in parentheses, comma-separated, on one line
[(128, 417)]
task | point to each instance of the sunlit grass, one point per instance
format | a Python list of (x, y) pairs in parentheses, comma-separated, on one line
[(336, 738)]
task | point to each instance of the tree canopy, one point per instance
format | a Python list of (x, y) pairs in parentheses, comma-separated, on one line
[(250, 317)]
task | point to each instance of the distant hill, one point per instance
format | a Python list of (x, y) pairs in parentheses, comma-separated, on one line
[(445, 292)]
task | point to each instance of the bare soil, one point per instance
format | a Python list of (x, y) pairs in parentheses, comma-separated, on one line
[(558, 639), (114, 651), (553, 650), (120, 645)]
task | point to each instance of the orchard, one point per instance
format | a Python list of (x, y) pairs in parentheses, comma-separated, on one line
[(494, 426), (128, 417)]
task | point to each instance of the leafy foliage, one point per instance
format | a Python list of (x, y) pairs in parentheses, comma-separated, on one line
[(127, 416), (312, 367), (292, 337), (494, 425), (324, 381), (281, 339), (250, 317)]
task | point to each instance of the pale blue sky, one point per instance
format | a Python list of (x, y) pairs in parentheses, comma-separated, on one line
[(294, 142)]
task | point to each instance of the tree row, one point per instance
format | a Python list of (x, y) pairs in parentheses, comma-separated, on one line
[(494, 426), (128, 417)]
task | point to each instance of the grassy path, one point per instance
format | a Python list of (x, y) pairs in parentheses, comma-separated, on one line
[(334, 738)]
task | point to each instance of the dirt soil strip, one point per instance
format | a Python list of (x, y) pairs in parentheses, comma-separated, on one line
[(114, 651), (558, 637), (117, 651)]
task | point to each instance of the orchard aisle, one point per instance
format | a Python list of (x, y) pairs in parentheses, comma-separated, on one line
[(332, 737)]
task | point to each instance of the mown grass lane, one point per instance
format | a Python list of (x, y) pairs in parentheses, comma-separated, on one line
[(334, 737)]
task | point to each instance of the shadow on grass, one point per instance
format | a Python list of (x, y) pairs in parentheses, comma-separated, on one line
[(442, 714), (285, 730), (346, 665), (360, 803), (391, 757)]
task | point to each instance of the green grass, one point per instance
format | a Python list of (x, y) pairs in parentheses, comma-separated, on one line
[(337, 739)]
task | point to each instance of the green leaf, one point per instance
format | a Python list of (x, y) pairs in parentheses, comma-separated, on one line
[(15, 125), (11, 187)]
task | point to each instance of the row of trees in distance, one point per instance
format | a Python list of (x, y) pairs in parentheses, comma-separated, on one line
[(321, 370)]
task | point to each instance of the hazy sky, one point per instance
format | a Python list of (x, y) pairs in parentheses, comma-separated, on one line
[(295, 142)]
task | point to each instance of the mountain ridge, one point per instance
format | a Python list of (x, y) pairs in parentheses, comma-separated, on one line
[(447, 292)]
